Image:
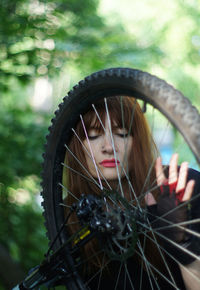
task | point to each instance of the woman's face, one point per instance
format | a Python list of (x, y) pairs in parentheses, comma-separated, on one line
[(111, 160)]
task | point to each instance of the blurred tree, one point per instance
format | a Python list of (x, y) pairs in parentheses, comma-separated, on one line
[(37, 37), (169, 29), (16, 128), (22, 134), (21, 231)]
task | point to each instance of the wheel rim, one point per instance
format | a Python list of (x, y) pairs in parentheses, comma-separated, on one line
[(59, 188)]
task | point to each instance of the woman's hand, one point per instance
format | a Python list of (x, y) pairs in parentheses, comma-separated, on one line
[(177, 180), (172, 208), (175, 192)]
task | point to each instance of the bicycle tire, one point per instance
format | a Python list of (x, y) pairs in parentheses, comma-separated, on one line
[(115, 81)]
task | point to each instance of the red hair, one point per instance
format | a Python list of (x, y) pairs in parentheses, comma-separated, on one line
[(141, 163), (144, 150)]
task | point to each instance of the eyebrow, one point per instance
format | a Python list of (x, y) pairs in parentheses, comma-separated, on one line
[(95, 128), (119, 127)]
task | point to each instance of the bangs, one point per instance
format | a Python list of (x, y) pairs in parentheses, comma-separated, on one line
[(120, 111)]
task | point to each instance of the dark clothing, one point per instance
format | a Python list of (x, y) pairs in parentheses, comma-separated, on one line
[(129, 277), (132, 279)]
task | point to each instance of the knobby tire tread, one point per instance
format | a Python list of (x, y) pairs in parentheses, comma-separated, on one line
[(151, 89)]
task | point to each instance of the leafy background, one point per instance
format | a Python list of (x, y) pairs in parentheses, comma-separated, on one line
[(45, 48)]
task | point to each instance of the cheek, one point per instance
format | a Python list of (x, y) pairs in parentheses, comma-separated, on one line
[(131, 154), (84, 148), (129, 147), (88, 155), (85, 144), (92, 146)]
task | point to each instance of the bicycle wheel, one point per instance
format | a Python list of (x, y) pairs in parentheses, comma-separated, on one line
[(175, 125)]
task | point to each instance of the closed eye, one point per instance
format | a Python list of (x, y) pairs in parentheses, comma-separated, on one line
[(93, 137), (122, 135)]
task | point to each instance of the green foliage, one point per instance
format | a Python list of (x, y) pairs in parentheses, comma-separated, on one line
[(22, 134), (43, 37), (21, 222), (21, 139), (37, 37), (166, 37)]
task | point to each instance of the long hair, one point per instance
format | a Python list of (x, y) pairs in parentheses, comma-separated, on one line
[(144, 151), (125, 112)]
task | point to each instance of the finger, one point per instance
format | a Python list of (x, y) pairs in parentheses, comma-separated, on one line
[(149, 199), (189, 190), (182, 178), (173, 169), (160, 176)]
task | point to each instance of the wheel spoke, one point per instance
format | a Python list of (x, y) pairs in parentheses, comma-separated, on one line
[(92, 154), (82, 166), (97, 273), (177, 207), (157, 271), (118, 275), (86, 260), (181, 226), (160, 252), (80, 174), (68, 191), (113, 146), (100, 275), (123, 196), (171, 242), (128, 275), (125, 161), (147, 266), (121, 164), (172, 225), (173, 258)]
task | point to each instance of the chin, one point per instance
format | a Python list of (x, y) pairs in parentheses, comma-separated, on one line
[(113, 178)]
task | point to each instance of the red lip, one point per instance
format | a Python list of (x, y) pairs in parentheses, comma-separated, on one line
[(109, 162)]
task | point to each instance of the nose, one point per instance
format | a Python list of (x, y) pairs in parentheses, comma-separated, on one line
[(107, 146)]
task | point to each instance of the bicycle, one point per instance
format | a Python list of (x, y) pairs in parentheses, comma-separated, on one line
[(109, 218)]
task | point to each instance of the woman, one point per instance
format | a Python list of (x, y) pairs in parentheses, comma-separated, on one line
[(117, 152)]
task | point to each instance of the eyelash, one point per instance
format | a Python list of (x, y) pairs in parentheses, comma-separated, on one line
[(93, 137), (119, 135), (123, 135)]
